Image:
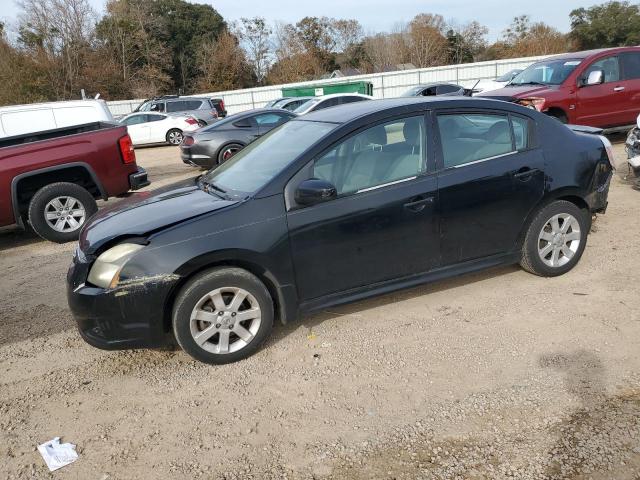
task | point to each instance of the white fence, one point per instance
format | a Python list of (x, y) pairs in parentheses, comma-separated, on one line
[(385, 85)]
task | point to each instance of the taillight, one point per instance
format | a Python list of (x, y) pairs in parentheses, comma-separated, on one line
[(222, 105), (188, 141), (126, 150), (609, 148), (191, 121)]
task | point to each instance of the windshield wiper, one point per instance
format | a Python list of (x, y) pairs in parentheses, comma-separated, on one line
[(526, 83), (208, 186)]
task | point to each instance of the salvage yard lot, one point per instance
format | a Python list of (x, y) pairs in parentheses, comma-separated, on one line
[(499, 374)]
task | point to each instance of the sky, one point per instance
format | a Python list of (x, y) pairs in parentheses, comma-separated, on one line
[(381, 15)]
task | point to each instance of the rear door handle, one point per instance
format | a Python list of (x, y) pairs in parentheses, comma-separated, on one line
[(525, 173), (618, 89), (419, 204)]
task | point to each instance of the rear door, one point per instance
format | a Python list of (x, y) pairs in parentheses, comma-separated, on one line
[(491, 176), (630, 63), (602, 105)]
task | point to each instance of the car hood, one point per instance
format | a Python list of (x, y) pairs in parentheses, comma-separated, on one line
[(147, 212), (513, 93)]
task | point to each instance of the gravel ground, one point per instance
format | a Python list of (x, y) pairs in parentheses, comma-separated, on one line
[(496, 375)]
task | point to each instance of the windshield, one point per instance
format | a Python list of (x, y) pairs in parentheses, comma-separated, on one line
[(509, 75), (549, 72), (258, 163), (306, 105)]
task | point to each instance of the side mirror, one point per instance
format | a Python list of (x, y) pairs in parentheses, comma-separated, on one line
[(596, 77), (314, 191)]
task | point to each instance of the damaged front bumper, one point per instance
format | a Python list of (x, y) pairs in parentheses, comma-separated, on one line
[(132, 315)]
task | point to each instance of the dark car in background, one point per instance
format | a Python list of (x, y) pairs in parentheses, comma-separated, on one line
[(287, 103), (598, 88), (213, 145), (333, 207), (205, 110), (437, 89)]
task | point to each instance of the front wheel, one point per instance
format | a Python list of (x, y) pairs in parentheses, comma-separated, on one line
[(555, 239), (174, 136), (222, 315), (58, 211)]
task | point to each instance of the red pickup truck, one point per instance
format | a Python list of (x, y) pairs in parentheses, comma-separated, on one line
[(52, 179), (598, 88)]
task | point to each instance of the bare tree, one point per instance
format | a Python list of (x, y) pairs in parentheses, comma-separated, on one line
[(254, 35), (222, 64), (59, 31), (427, 42)]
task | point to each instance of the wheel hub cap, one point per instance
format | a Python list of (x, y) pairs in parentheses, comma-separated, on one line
[(225, 320), (65, 214), (559, 240)]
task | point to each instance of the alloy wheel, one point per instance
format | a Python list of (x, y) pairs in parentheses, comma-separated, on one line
[(559, 240), (175, 138), (225, 320), (65, 214), (229, 152)]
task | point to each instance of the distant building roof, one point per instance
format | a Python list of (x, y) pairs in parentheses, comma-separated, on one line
[(345, 72)]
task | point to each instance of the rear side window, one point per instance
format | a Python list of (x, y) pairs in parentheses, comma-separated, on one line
[(176, 106), (154, 118), (468, 138), (631, 65), (521, 132), (442, 89)]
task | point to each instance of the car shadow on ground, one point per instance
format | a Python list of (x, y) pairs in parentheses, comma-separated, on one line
[(602, 434), (14, 237)]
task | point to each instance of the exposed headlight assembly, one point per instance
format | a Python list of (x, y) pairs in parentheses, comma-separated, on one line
[(534, 103), (105, 272)]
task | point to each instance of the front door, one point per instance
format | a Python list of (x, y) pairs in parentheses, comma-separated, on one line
[(490, 179), (383, 224), (602, 105), (137, 128)]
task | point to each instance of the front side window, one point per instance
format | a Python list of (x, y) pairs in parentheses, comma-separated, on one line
[(156, 107), (269, 119), (376, 156), (135, 119), (609, 65), (259, 162), (470, 137)]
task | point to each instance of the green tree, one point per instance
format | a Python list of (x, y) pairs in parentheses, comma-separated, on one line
[(611, 24)]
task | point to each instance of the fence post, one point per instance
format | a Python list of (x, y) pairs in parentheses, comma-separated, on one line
[(253, 103), (382, 81)]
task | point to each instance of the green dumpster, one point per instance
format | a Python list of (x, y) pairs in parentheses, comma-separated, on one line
[(366, 88)]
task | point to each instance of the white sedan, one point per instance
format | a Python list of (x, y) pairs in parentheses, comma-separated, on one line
[(147, 128)]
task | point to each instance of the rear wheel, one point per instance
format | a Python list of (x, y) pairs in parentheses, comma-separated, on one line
[(228, 151), (58, 211), (222, 315), (556, 239), (174, 136)]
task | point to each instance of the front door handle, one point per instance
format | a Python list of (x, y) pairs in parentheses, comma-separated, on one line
[(525, 173), (418, 204), (618, 89)]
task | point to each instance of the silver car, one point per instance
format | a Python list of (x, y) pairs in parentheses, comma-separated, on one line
[(203, 109)]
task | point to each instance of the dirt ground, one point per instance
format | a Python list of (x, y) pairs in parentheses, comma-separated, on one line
[(495, 375)]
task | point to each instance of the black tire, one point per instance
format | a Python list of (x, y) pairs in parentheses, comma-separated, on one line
[(560, 116), (174, 136), (231, 147), (39, 205), (196, 290), (533, 245)]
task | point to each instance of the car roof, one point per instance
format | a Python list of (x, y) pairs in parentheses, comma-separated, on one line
[(346, 94), (346, 113), (590, 53), (435, 84)]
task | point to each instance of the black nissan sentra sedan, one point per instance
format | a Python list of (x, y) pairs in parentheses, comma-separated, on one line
[(332, 207)]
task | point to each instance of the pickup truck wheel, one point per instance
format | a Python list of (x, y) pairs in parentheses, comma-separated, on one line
[(222, 315), (58, 211), (555, 239), (174, 136)]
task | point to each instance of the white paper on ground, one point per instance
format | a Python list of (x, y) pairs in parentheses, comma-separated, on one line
[(56, 455)]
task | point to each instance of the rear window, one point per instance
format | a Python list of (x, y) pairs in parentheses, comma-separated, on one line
[(631, 65)]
